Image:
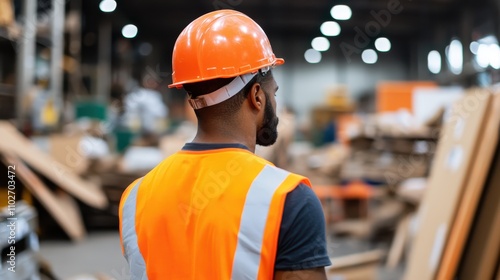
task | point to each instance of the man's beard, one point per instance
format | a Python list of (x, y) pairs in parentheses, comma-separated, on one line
[(268, 133)]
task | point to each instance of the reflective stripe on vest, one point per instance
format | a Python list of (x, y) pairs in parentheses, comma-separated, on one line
[(253, 221), (129, 236)]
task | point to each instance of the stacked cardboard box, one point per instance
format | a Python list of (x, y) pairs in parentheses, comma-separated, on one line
[(390, 157)]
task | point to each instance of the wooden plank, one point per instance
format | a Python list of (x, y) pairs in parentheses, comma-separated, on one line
[(14, 142), (455, 156), (65, 213), (498, 270), (357, 266), (72, 212), (481, 252), (473, 190), (356, 260), (399, 242)]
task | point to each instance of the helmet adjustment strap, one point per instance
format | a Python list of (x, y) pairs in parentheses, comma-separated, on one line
[(222, 94)]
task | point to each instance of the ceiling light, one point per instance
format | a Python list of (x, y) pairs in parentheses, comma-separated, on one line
[(369, 56), (383, 44), (129, 31), (320, 44), (490, 39), (312, 56), (494, 54), (434, 62), (330, 28), (483, 55), (473, 47), (454, 55), (341, 12), (107, 6)]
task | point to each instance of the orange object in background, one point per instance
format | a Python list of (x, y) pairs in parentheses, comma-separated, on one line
[(325, 192), (356, 190), (339, 203), (330, 196), (392, 96), (355, 198)]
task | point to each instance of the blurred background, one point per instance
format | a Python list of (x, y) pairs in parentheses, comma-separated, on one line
[(388, 106)]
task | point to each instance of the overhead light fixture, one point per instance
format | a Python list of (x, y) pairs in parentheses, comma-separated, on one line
[(312, 56), (341, 12), (330, 28), (455, 57), (107, 6), (129, 31), (494, 54), (320, 44), (488, 52), (383, 44), (490, 39), (483, 55), (369, 56), (474, 46), (434, 62)]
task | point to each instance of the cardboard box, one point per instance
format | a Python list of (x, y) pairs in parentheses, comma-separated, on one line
[(455, 156), (473, 190), (66, 150), (483, 246)]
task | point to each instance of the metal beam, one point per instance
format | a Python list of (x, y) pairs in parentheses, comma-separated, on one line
[(104, 61), (25, 60), (56, 53)]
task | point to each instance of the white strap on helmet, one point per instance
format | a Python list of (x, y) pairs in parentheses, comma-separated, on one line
[(222, 94)]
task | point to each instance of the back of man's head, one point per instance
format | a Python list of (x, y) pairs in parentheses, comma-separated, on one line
[(230, 107)]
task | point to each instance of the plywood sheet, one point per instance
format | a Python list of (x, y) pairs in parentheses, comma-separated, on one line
[(481, 253), (15, 143), (473, 190), (67, 215), (455, 156)]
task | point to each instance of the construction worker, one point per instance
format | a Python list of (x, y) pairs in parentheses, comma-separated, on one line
[(215, 210)]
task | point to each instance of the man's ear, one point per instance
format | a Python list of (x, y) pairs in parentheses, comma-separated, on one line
[(256, 97)]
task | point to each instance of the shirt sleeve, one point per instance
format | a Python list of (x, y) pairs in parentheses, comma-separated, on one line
[(302, 238)]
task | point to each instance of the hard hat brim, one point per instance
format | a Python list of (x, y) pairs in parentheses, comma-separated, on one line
[(179, 85)]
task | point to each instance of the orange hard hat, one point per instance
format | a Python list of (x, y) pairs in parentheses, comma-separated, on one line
[(220, 44)]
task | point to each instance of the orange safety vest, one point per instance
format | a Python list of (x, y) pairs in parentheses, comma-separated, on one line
[(212, 214)]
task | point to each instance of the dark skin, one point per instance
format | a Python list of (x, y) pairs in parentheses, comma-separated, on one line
[(242, 129), (308, 274), (244, 124)]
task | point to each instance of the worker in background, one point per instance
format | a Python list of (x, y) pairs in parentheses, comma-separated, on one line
[(144, 109), (214, 210)]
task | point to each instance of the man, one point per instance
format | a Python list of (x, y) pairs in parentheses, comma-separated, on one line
[(215, 210)]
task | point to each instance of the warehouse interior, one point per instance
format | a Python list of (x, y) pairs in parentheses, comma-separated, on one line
[(390, 107)]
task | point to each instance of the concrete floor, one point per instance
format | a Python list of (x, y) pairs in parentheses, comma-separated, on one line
[(99, 253)]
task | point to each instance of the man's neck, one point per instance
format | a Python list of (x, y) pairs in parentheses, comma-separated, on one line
[(228, 133)]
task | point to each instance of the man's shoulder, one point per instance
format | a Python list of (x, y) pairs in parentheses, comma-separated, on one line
[(299, 198), (302, 238)]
